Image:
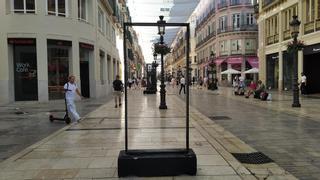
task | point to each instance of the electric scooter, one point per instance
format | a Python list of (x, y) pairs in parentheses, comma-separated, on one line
[(66, 117)]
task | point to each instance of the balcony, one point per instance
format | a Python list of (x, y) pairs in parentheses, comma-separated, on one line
[(252, 27), (236, 52), (286, 34), (213, 34), (312, 26), (222, 5), (251, 51), (272, 39)]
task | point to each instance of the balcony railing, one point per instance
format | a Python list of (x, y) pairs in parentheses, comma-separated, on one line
[(312, 26), (235, 2), (273, 39), (252, 27), (268, 2), (212, 11), (222, 5), (213, 34), (236, 52), (286, 34)]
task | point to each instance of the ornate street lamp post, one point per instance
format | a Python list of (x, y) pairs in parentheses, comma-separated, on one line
[(161, 32), (212, 70), (294, 28)]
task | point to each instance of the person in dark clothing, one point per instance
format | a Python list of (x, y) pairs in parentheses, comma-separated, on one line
[(117, 87), (182, 85)]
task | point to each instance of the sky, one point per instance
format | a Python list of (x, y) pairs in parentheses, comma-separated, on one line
[(177, 11)]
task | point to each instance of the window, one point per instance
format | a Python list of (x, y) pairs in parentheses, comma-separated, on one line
[(107, 27), (23, 6), (236, 45), (236, 21), (101, 20), (83, 10), (223, 23), (250, 44), (113, 35), (250, 19), (102, 67), (57, 7)]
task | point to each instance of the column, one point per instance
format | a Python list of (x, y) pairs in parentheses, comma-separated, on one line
[(280, 81), (6, 93), (300, 64), (42, 63), (75, 60), (229, 75)]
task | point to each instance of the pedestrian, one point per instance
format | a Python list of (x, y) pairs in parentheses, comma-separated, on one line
[(129, 83), (303, 84), (205, 82), (182, 85), (193, 80), (252, 88), (173, 82), (118, 88), (200, 83), (260, 89), (71, 89)]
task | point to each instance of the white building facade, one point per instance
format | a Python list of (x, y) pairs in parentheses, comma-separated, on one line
[(42, 42)]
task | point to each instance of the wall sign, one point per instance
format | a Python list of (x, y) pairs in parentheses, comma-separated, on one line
[(22, 41), (86, 46), (59, 42), (313, 49)]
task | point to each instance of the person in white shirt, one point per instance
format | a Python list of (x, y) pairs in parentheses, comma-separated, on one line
[(182, 85), (205, 82), (71, 89), (303, 85)]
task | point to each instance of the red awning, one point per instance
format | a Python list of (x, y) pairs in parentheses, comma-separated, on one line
[(205, 64), (219, 61), (235, 60), (253, 61)]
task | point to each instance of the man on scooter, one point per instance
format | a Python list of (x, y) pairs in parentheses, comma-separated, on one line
[(71, 89)]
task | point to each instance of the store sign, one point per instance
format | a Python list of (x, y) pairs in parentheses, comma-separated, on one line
[(313, 49), (86, 46), (21, 41), (22, 67), (59, 42)]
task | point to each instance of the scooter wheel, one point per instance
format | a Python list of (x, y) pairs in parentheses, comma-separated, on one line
[(67, 120), (51, 118)]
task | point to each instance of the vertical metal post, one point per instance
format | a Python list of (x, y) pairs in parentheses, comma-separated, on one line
[(296, 102), (125, 85), (187, 83), (163, 104)]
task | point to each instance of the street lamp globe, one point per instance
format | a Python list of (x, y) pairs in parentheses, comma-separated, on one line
[(161, 26), (294, 26)]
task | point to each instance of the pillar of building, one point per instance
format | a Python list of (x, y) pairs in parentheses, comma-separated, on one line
[(280, 81), (42, 63), (5, 92)]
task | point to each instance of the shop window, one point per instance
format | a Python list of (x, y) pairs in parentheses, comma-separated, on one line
[(23, 6), (57, 8), (83, 10)]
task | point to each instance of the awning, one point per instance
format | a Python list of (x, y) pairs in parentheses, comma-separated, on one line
[(219, 61), (253, 61), (205, 64), (252, 71), (235, 60), (230, 71)]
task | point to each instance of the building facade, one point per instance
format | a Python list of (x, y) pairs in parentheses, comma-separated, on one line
[(227, 38), (42, 42), (274, 17), (175, 63)]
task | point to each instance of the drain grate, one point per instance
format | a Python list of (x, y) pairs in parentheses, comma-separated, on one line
[(252, 158), (215, 118)]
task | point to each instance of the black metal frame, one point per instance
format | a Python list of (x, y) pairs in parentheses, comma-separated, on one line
[(125, 25)]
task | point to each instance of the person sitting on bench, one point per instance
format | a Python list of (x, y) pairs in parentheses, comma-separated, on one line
[(261, 88)]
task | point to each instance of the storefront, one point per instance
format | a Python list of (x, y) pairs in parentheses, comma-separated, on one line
[(287, 70), (25, 69), (58, 67), (86, 51), (272, 61), (311, 66)]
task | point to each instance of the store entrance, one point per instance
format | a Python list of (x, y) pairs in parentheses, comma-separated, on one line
[(311, 64), (25, 73)]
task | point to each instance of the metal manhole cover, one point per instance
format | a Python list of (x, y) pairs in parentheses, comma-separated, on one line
[(252, 158), (214, 118)]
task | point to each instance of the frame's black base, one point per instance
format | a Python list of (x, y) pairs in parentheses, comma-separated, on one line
[(149, 91), (163, 162)]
